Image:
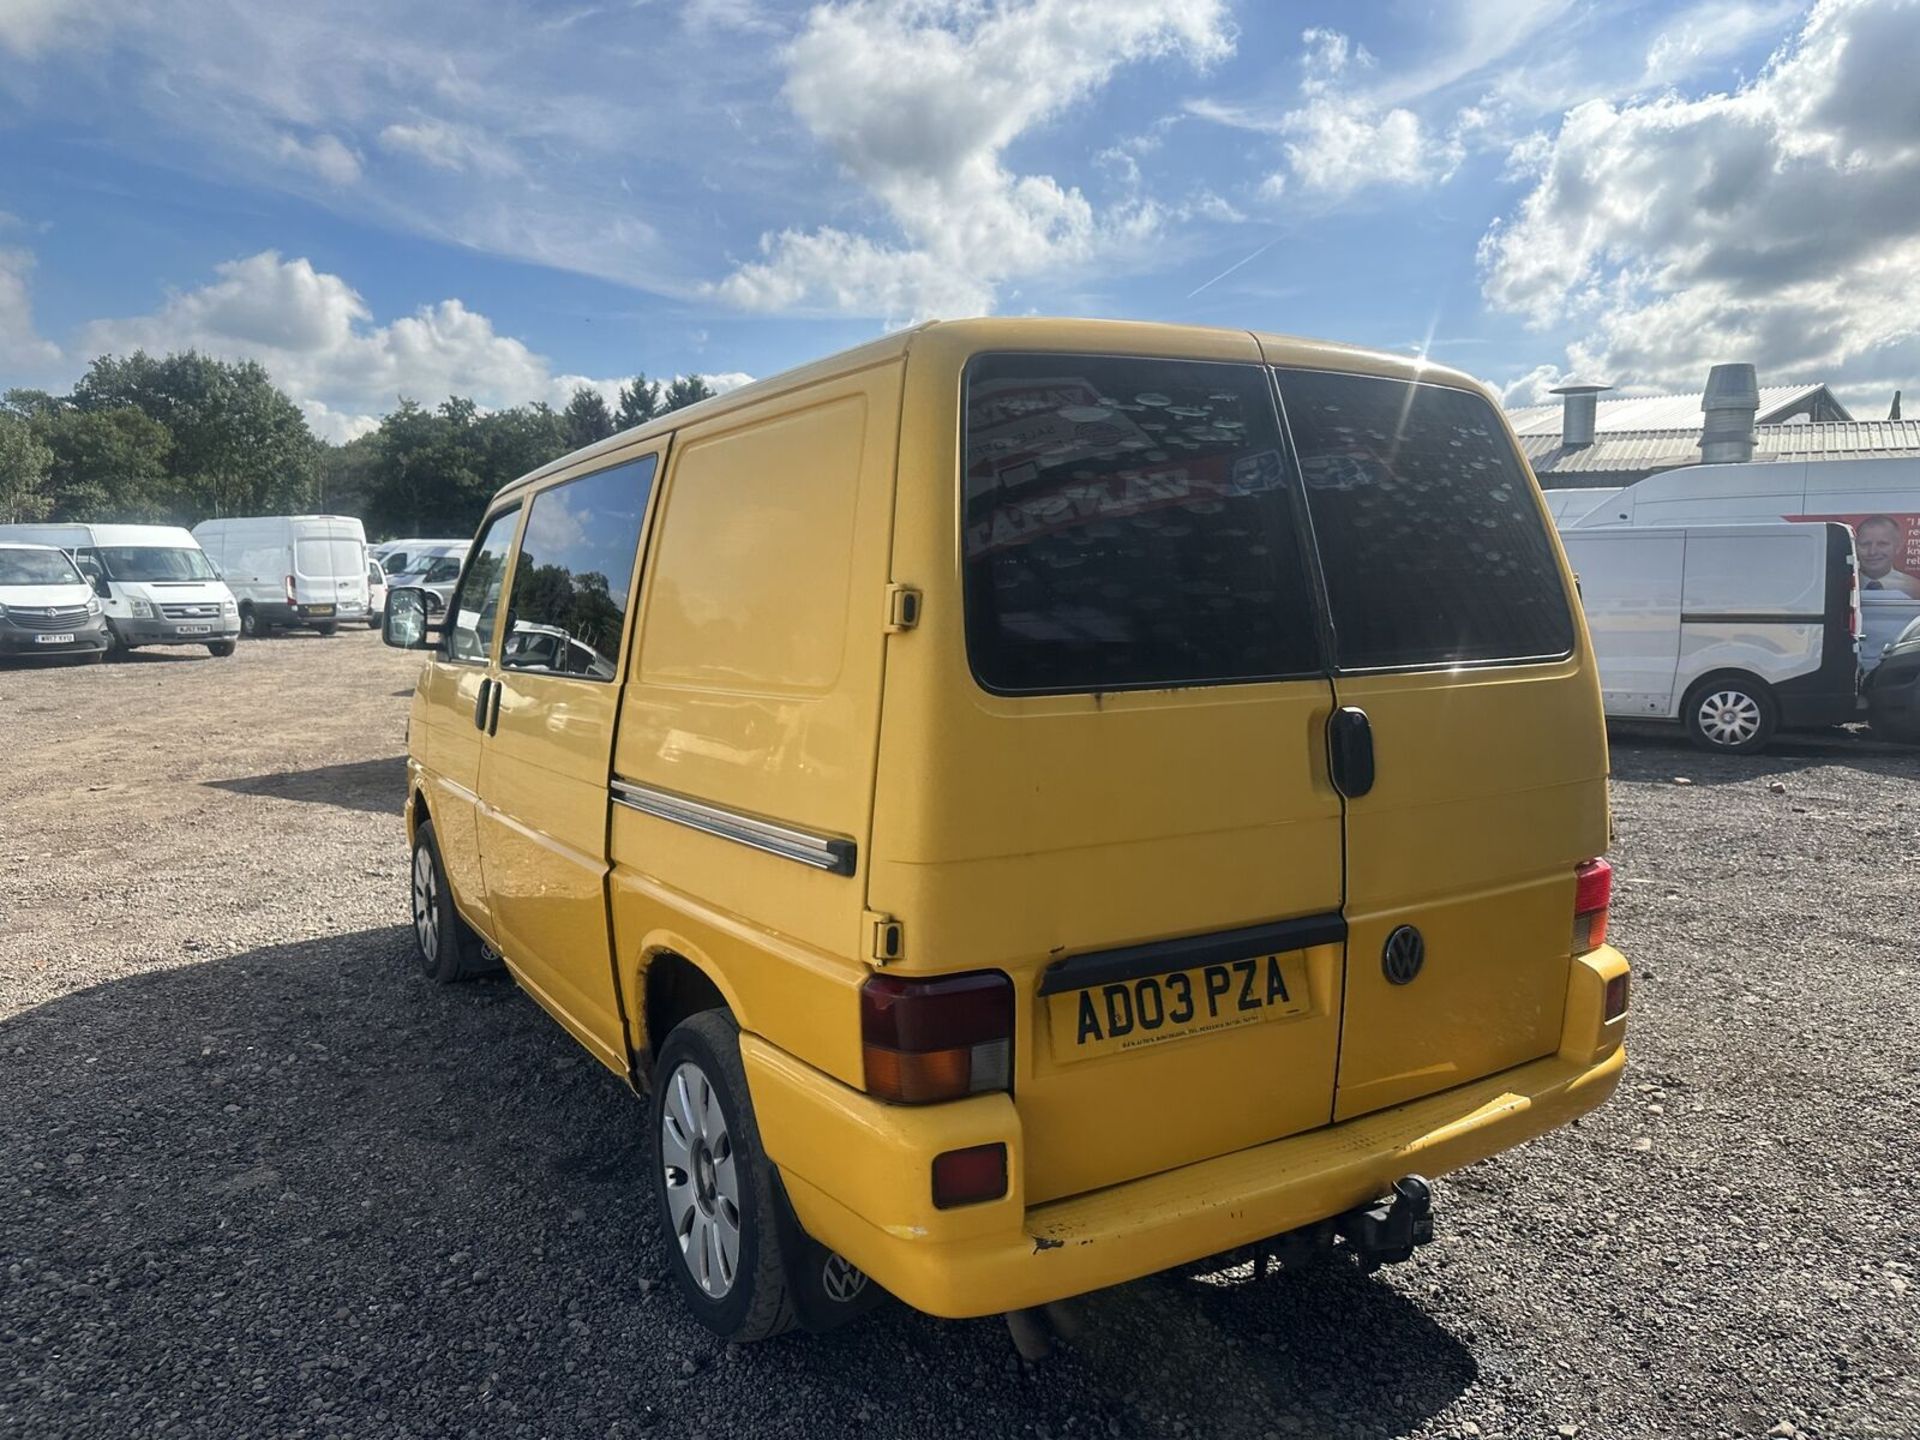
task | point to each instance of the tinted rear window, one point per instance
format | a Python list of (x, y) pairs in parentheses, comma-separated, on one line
[(1127, 525), (1433, 545)]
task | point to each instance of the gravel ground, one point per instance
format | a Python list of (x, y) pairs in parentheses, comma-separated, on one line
[(256, 1178)]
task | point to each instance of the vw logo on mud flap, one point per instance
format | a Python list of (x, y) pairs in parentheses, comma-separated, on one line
[(1403, 955), (842, 1280)]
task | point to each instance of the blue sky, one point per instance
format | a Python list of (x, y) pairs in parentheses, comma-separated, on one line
[(503, 200)]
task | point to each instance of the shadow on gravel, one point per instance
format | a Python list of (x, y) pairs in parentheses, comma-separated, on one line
[(1661, 753), (379, 786), (305, 1192)]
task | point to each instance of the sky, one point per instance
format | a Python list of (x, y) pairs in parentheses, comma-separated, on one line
[(508, 198)]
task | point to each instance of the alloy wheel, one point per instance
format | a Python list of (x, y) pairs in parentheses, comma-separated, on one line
[(426, 904), (1729, 717), (702, 1180)]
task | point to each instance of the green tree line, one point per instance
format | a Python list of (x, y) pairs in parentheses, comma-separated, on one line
[(185, 437)]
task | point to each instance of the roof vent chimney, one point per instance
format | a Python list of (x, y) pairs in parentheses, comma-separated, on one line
[(1731, 403), (1577, 412)]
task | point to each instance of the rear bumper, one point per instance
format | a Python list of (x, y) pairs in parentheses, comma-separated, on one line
[(858, 1172)]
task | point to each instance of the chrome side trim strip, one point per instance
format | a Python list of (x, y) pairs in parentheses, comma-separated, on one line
[(823, 852)]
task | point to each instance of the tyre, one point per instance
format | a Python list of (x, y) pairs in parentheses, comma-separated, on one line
[(373, 622), (220, 648), (93, 657), (327, 629), (719, 1222), (447, 946), (1731, 714), (251, 625)]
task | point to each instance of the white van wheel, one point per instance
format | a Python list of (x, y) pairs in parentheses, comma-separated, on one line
[(251, 624), (1731, 714)]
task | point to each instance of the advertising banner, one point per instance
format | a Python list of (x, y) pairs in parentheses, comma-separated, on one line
[(1889, 549)]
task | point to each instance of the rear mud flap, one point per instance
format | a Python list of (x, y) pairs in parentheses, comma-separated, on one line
[(828, 1290)]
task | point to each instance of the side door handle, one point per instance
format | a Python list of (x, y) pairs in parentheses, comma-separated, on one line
[(1350, 751), (493, 716), (480, 704)]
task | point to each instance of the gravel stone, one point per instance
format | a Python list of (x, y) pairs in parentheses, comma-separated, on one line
[(259, 1178)]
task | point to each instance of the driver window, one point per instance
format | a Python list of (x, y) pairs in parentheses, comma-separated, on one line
[(575, 571), (475, 609)]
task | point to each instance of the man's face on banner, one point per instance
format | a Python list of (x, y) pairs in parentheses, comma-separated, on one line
[(1878, 544)]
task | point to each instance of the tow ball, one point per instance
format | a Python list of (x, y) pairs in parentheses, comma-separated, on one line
[(1388, 1230)]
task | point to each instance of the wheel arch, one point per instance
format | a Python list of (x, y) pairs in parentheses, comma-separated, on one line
[(670, 981)]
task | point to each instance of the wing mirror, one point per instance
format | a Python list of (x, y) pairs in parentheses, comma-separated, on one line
[(407, 625)]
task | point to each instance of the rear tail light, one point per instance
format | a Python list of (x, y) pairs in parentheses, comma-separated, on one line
[(939, 1039), (290, 589), (1592, 894), (967, 1177), (1854, 618)]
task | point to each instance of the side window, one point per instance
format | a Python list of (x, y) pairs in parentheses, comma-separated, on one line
[(476, 604), (570, 588)]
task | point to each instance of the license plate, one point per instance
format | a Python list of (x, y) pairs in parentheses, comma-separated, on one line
[(319, 609), (193, 629), (53, 639), (1128, 1014)]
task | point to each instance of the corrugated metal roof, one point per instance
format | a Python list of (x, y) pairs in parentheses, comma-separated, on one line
[(1653, 412), (1647, 450)]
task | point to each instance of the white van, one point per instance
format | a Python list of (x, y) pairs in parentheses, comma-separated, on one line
[(156, 584), (432, 566), (1879, 498), (1733, 630), (307, 571), (46, 605)]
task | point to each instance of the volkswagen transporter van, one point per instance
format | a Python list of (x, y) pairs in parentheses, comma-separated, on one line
[(155, 583), (1033, 803)]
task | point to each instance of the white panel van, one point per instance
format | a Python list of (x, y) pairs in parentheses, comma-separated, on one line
[(157, 586), (1733, 630), (1879, 498), (293, 571)]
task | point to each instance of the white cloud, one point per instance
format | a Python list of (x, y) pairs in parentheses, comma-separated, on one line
[(22, 352), (1342, 139), (1711, 32), (1678, 232), (30, 27), (444, 146), (919, 103), (317, 337), (325, 155)]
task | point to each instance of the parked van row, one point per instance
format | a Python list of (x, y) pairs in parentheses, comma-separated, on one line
[(1704, 605), (1032, 803), (163, 585)]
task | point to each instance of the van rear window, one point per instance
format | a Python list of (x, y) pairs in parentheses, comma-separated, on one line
[(1432, 542), (326, 558), (1127, 526)]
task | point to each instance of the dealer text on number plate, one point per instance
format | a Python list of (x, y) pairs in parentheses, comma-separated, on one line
[(1127, 1014)]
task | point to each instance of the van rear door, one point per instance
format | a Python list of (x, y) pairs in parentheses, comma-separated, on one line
[(1457, 655), (1113, 786)]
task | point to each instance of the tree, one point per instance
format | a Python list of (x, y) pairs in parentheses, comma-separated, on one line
[(431, 472), (239, 445), (24, 463), (687, 390), (588, 418), (639, 402), (108, 465)]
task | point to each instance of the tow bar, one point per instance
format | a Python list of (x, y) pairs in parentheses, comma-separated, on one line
[(1387, 1231)]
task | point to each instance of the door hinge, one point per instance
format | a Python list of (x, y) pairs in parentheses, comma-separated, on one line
[(886, 941), (903, 608)]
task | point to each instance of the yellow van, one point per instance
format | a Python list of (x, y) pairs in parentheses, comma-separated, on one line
[(1033, 803)]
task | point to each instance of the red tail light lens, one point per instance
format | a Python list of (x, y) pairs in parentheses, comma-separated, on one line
[(1592, 894), (940, 1039), (967, 1177), (290, 589)]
